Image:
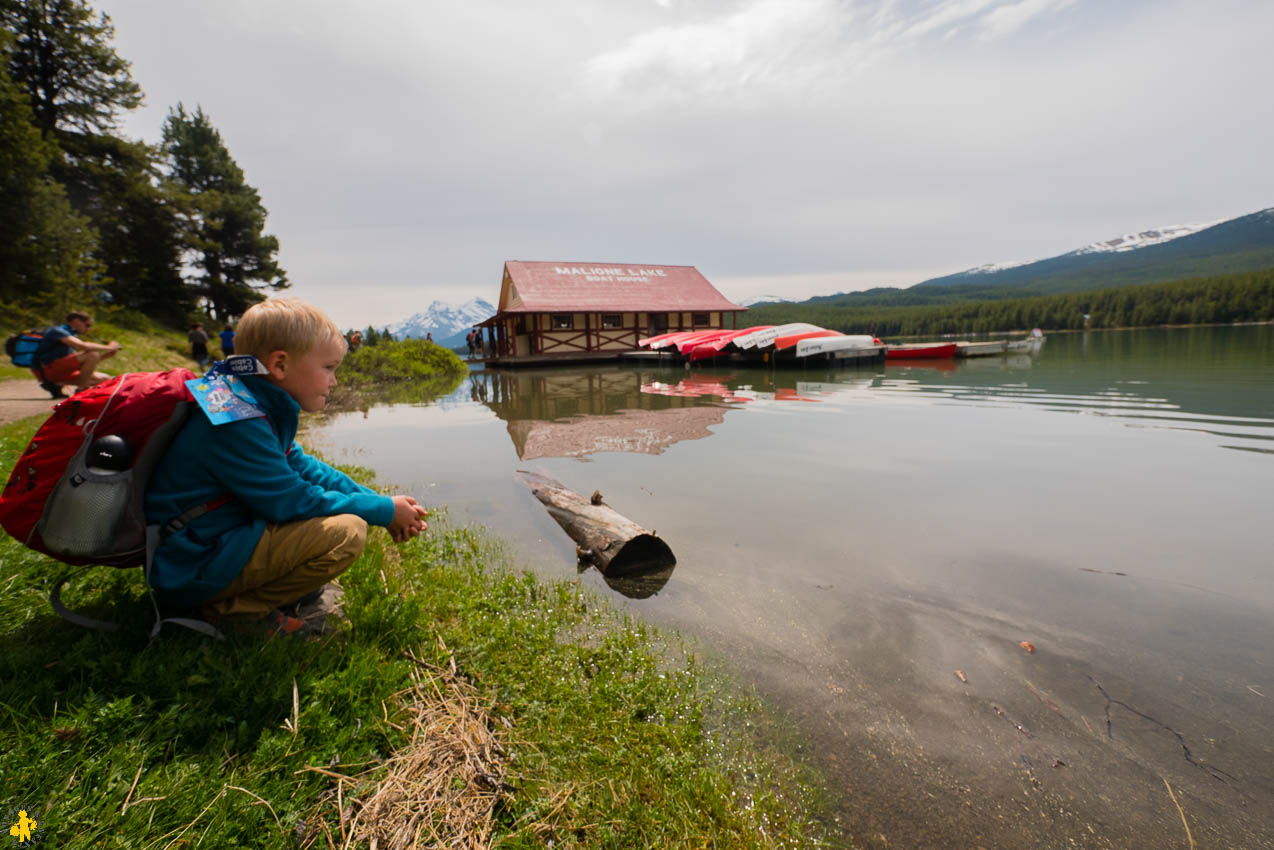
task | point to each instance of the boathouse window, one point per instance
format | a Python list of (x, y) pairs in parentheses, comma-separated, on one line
[(612, 320), (563, 321), (521, 325), (699, 319)]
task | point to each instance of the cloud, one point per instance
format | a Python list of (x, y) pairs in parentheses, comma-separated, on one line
[(406, 150), (791, 45), (1005, 20), (764, 43)]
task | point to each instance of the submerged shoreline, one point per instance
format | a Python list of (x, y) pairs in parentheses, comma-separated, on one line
[(847, 563), (611, 733)]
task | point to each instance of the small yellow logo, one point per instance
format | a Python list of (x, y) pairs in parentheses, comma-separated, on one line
[(24, 829)]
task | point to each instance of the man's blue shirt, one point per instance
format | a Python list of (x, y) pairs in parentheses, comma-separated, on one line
[(51, 345)]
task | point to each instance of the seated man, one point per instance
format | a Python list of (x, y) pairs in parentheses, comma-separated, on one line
[(65, 359), (267, 525)]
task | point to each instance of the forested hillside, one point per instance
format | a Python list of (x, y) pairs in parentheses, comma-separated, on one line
[(90, 218), (1244, 244), (1224, 298)]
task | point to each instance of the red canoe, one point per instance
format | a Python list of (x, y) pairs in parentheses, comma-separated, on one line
[(712, 347), (665, 340), (921, 351), (686, 344)]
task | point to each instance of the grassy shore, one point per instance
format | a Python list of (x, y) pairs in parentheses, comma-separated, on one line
[(397, 371), (599, 731)]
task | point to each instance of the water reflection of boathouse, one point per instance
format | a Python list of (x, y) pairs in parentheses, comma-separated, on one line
[(573, 412)]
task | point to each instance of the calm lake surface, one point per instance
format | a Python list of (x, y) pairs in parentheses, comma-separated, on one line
[(851, 539)]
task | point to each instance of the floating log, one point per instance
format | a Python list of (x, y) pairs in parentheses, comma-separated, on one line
[(607, 539)]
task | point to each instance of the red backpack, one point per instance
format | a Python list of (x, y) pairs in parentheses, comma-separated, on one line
[(76, 493)]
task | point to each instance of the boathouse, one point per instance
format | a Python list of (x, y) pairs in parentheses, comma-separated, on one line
[(572, 312)]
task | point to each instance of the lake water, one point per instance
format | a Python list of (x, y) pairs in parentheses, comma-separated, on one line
[(851, 539)]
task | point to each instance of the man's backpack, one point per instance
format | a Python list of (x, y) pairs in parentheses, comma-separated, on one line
[(22, 347), (76, 493)]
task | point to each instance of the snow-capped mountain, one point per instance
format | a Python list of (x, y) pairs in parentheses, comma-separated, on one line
[(759, 299), (1245, 243), (444, 321), (996, 267), (1133, 241), (1119, 244)]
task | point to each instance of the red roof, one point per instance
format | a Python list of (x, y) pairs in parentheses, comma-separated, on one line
[(618, 287)]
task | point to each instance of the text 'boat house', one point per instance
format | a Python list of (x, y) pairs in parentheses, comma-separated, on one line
[(571, 312)]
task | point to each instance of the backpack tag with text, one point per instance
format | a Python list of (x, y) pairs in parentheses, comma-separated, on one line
[(224, 398)]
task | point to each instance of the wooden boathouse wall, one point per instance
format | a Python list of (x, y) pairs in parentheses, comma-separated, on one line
[(551, 311)]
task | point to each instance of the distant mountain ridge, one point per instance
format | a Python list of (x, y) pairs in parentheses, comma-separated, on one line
[(763, 299), (447, 322), (1240, 244)]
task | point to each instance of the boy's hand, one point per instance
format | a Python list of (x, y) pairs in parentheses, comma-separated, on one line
[(409, 519)]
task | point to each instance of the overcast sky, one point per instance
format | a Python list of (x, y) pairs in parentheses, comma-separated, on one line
[(405, 149)]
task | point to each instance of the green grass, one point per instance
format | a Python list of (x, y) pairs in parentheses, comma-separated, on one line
[(396, 372), (389, 371), (620, 738)]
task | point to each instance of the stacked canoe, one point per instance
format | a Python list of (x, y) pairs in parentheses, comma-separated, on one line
[(796, 343), (921, 351)]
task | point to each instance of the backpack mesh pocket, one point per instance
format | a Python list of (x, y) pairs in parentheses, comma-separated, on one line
[(84, 512)]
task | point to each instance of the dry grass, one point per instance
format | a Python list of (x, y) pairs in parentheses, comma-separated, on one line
[(441, 789)]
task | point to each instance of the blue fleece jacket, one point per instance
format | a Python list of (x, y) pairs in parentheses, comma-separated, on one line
[(268, 478)]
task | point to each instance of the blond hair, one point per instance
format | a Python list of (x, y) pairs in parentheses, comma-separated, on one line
[(284, 324)]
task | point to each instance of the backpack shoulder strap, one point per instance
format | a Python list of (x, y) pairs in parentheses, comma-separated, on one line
[(55, 599)]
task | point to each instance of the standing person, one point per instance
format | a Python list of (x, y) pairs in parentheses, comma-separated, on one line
[(198, 344), (286, 523), (429, 337), (227, 340), (469, 341), (63, 358), (355, 339), (478, 347)]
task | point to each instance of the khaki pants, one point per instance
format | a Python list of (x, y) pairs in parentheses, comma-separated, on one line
[(290, 560)]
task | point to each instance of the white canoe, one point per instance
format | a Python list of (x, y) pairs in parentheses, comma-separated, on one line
[(1031, 344), (761, 339), (979, 349), (829, 344)]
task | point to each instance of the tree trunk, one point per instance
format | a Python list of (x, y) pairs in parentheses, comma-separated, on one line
[(610, 541)]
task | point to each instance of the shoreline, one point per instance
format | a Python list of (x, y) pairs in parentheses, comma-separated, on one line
[(578, 697), (1090, 330)]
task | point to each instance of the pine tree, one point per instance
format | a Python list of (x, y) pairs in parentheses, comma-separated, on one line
[(62, 56), (45, 247), (224, 218), (116, 183), (77, 87)]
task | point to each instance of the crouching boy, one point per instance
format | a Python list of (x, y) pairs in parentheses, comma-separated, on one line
[(279, 524)]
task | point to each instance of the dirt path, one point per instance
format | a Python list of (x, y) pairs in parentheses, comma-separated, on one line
[(21, 398)]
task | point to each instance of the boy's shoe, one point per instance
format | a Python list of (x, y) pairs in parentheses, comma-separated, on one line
[(277, 624), (273, 624), (321, 612), (305, 601), (52, 389)]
